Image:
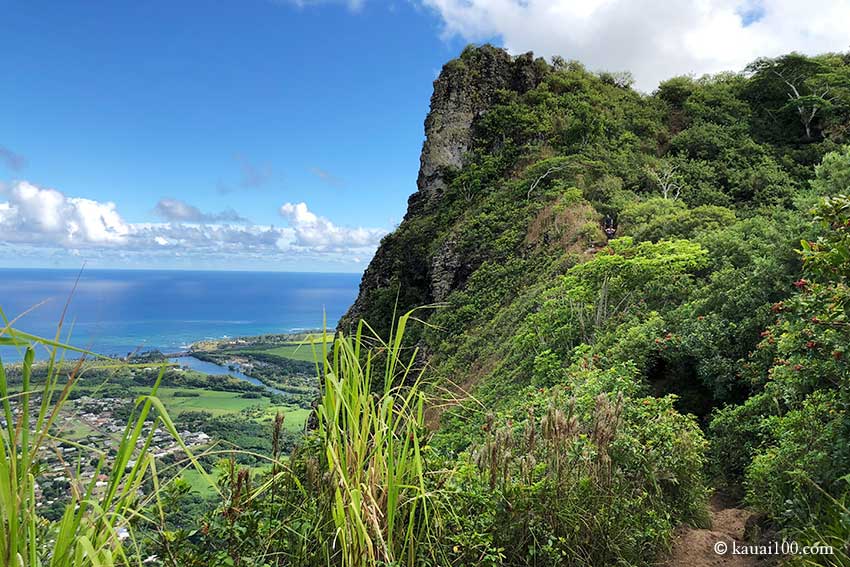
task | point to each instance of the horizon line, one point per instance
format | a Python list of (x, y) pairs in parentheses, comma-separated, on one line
[(212, 270)]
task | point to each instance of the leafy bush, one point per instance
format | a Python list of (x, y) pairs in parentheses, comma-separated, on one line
[(595, 480), (789, 441)]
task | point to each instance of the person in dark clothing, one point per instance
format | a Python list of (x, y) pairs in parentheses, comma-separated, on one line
[(609, 227)]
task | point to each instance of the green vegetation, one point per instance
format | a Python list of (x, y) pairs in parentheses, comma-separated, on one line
[(584, 392), (382, 511), (788, 442), (691, 306), (296, 351), (302, 347), (88, 531), (217, 403)]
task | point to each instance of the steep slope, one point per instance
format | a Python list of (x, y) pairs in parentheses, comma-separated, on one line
[(706, 187), (584, 388), (523, 159), (406, 263)]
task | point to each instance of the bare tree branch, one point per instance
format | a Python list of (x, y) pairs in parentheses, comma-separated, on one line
[(666, 179), (549, 172), (807, 114)]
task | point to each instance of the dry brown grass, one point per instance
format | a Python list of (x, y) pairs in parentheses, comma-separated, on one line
[(574, 228), (452, 394)]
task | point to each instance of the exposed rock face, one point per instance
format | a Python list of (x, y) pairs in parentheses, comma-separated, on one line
[(444, 268), (463, 92)]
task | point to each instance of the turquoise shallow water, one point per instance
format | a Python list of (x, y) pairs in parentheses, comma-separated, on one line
[(119, 311)]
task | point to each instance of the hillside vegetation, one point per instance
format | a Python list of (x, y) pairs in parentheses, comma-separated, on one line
[(704, 303), (633, 300)]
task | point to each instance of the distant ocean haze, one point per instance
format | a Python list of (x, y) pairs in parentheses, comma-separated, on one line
[(119, 311)]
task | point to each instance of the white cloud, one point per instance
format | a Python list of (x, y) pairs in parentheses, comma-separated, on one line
[(313, 231), (33, 213), (35, 220), (654, 39)]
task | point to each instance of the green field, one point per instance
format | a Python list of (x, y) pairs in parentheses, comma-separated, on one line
[(200, 485), (305, 351), (79, 431), (293, 352), (221, 403), (295, 418)]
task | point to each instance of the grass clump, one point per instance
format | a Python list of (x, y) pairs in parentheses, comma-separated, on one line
[(97, 527), (382, 511), (586, 477)]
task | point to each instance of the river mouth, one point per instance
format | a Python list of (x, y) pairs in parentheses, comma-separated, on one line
[(214, 369)]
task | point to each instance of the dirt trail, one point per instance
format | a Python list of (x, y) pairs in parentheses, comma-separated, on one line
[(695, 547)]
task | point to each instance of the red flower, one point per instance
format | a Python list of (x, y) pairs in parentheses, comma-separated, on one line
[(811, 344), (800, 284), (798, 367)]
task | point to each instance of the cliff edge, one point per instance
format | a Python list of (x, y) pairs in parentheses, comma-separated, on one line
[(411, 270)]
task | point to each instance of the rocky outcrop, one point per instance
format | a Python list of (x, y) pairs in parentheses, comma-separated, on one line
[(444, 269), (464, 91), (466, 88)]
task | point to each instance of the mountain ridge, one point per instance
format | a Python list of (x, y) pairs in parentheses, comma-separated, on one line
[(707, 187)]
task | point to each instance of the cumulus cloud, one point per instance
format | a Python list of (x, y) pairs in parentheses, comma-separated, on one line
[(10, 159), (38, 220), (37, 214), (181, 211), (313, 231), (654, 39), (203, 239)]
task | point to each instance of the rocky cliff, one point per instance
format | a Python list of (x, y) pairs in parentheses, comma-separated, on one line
[(409, 270), (698, 293)]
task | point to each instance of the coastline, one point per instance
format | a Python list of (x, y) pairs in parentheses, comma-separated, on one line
[(259, 359), (244, 358)]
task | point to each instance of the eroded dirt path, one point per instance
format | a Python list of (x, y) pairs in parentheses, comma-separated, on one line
[(695, 547)]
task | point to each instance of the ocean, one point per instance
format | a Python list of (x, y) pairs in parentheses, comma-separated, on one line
[(120, 311)]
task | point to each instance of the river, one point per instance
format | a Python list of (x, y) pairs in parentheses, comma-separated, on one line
[(217, 369)]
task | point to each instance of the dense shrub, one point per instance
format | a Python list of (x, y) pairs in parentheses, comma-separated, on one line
[(596, 479), (789, 441)]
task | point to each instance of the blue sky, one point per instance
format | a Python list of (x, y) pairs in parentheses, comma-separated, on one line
[(234, 105), (285, 134)]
